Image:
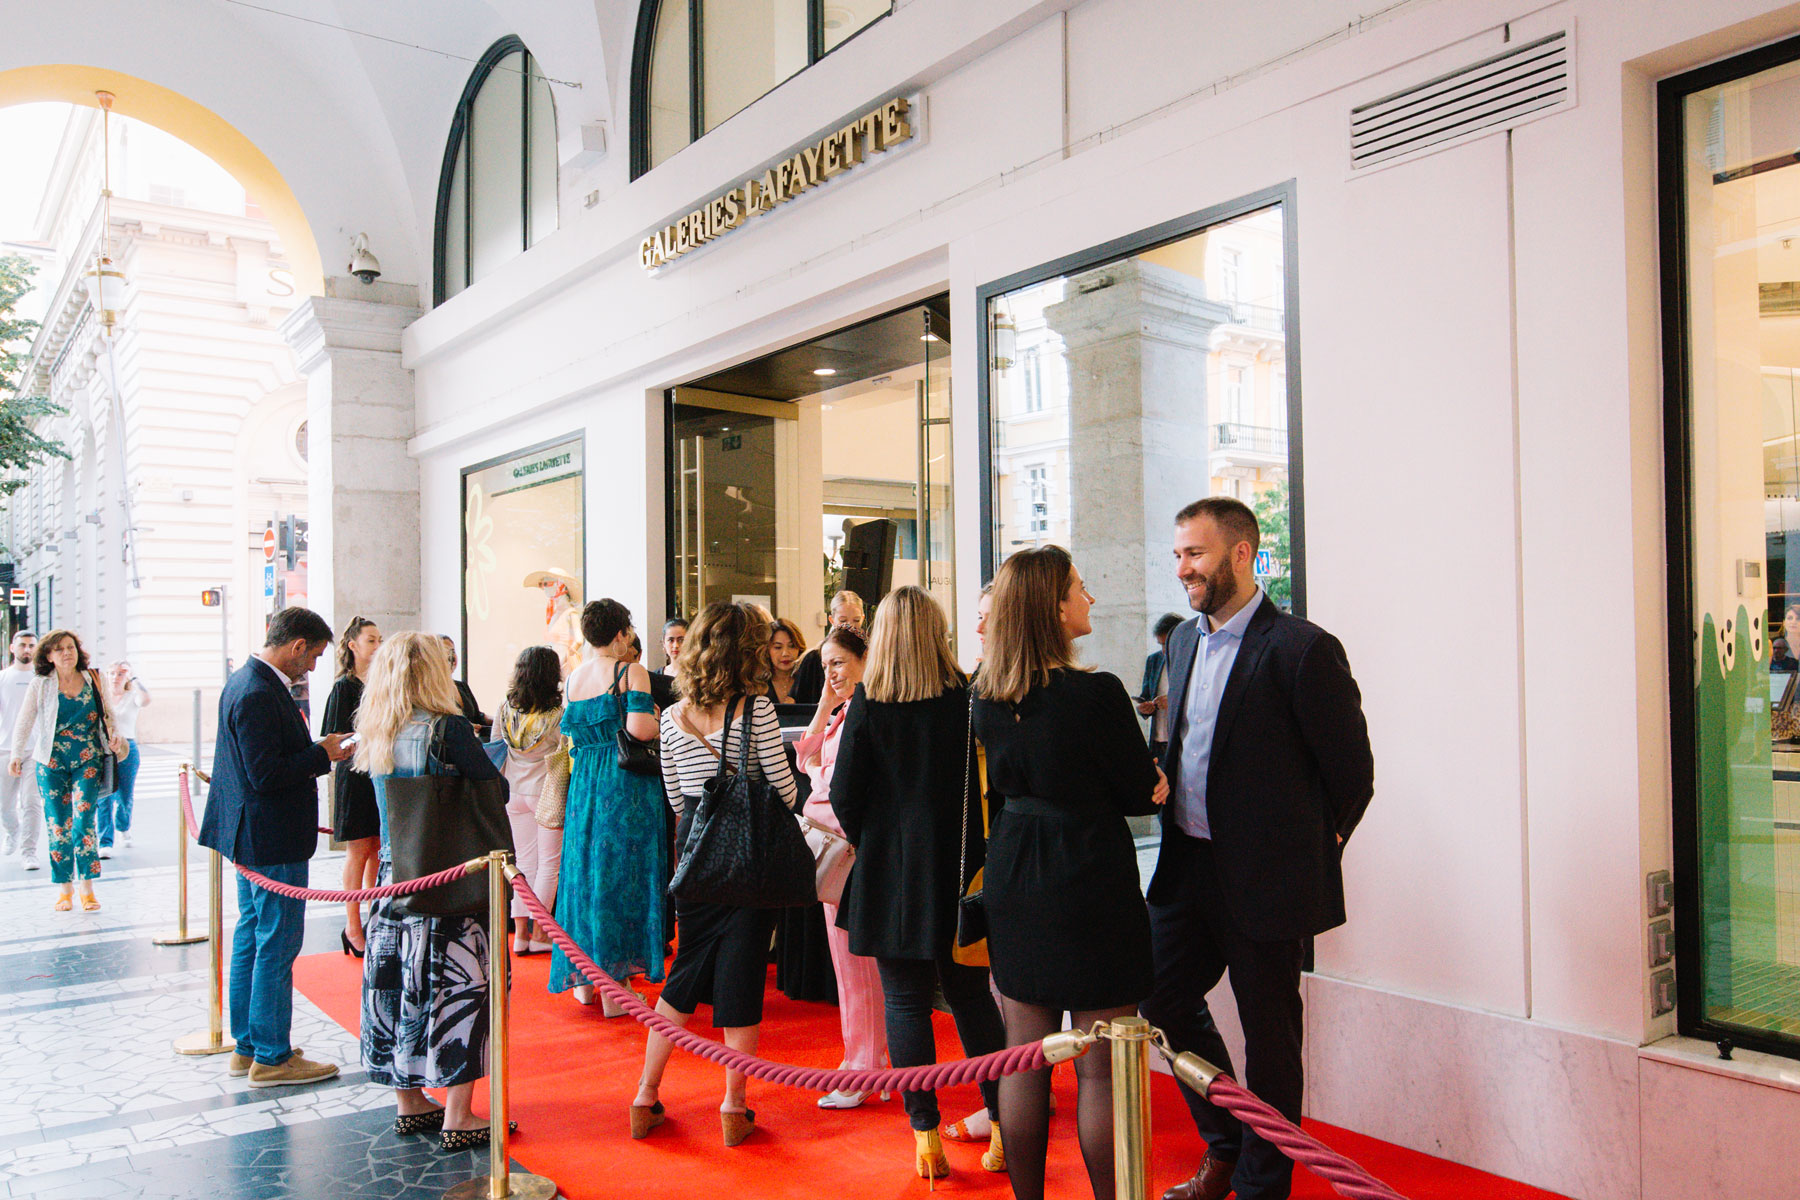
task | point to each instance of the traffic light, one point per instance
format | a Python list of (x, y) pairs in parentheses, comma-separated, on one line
[(210, 598)]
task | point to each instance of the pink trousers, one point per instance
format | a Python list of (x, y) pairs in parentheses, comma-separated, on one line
[(860, 1010)]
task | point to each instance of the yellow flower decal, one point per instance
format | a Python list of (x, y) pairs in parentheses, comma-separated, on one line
[(479, 533)]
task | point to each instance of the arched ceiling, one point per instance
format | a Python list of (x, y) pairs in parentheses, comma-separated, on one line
[(354, 125)]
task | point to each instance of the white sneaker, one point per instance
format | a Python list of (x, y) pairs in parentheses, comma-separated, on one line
[(106, 852), (31, 862), (127, 837), (12, 845)]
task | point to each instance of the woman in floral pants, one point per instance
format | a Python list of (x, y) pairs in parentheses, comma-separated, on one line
[(65, 723)]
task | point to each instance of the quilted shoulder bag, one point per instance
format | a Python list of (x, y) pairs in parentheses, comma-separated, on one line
[(743, 848), (638, 757), (553, 797)]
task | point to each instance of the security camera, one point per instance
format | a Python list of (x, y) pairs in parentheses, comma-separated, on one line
[(363, 265)]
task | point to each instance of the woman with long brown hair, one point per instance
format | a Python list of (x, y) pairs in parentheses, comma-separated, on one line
[(900, 792), (723, 952), (1067, 927), (354, 818)]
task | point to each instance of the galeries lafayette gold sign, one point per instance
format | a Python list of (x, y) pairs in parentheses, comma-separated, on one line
[(873, 132)]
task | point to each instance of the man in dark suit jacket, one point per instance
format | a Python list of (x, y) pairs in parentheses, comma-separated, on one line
[(263, 811), (1153, 696), (1269, 771)]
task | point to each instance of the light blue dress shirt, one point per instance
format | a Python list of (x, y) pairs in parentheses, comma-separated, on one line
[(1213, 658)]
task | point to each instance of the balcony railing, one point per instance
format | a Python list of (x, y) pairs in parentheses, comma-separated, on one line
[(1258, 316), (1250, 439)]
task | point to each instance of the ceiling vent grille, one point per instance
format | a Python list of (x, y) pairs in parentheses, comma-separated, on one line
[(1519, 84)]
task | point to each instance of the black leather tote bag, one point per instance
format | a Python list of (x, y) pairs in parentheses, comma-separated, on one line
[(744, 848), (438, 820)]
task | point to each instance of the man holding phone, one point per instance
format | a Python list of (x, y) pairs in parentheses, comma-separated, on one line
[(263, 811)]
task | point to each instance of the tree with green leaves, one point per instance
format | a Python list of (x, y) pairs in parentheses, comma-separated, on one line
[(21, 446), (1271, 508)]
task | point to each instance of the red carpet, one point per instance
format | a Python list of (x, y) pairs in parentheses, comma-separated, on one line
[(574, 1074)]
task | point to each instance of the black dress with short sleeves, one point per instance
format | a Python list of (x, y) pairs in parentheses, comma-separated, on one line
[(1067, 924), (353, 811)]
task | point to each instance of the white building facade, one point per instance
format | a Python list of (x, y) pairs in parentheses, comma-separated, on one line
[(185, 424), (1517, 374)]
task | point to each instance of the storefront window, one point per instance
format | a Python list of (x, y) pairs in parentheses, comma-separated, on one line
[(523, 567), (1122, 389), (1733, 249)]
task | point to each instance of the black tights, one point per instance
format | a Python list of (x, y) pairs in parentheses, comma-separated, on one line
[(1025, 1102)]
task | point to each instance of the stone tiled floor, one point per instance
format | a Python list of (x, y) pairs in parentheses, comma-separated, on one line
[(94, 1102)]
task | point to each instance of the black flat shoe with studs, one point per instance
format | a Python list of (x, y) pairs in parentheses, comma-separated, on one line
[(453, 1140), (425, 1122)]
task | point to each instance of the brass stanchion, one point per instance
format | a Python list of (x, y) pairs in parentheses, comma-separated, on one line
[(181, 936), (1131, 1106), (501, 1184), (213, 1040)]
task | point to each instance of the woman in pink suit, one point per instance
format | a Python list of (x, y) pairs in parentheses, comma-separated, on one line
[(859, 984)]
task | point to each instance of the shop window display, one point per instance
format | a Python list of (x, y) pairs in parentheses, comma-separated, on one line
[(1121, 390), (1732, 249), (522, 562)]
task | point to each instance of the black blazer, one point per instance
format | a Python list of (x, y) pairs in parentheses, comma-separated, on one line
[(897, 789), (1153, 669), (263, 807), (1290, 771), (662, 690)]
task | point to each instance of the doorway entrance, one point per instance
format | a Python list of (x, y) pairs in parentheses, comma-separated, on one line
[(820, 468)]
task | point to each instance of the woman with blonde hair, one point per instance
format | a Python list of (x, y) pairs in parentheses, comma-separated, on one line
[(424, 1008), (723, 952), (354, 818), (900, 792), (1067, 927)]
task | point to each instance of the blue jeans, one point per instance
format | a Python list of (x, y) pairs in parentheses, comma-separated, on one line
[(270, 929), (116, 808)]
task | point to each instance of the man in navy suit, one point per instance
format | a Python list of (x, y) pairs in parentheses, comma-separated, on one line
[(263, 811), (1269, 771)]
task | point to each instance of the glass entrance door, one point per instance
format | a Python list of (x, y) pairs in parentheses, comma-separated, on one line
[(822, 468)]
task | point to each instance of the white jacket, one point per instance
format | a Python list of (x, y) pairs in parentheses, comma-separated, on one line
[(35, 730)]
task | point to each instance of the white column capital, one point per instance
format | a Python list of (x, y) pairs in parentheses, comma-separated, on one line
[(322, 325)]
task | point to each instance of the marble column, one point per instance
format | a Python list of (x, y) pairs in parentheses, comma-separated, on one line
[(1137, 338), (362, 485)]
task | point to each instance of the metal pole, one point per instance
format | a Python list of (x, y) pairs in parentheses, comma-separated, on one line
[(181, 937), (213, 1041), (1131, 1106), (196, 749), (224, 632), (501, 1184)]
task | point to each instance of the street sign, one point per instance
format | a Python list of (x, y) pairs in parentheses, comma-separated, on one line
[(1265, 564), (20, 597), (269, 546), (269, 580)]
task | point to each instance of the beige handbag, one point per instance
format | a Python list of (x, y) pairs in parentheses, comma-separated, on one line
[(553, 797), (833, 857)]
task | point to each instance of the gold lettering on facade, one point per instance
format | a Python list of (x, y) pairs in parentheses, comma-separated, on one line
[(808, 167)]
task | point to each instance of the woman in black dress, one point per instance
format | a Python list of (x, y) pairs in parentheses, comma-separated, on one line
[(899, 792), (1067, 927), (355, 821)]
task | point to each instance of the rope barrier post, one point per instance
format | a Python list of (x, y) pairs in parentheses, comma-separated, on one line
[(181, 936), (213, 1041), (501, 1183), (1131, 1106)]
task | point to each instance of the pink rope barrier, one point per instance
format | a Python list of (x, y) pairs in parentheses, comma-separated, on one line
[(1345, 1176), (1028, 1057), (335, 897)]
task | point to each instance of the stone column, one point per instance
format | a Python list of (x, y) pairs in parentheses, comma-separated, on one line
[(1137, 336), (362, 485)]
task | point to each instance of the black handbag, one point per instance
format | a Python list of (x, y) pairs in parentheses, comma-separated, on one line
[(971, 909), (435, 822), (109, 762), (744, 847), (638, 757)]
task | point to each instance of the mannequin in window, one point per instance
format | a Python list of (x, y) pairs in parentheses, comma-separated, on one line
[(562, 614)]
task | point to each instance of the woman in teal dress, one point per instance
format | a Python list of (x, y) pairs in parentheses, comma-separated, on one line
[(615, 844)]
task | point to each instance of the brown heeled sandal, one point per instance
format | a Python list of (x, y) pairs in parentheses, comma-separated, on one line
[(737, 1125), (644, 1118)]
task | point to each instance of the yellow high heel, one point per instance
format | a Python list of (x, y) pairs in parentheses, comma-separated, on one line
[(995, 1158), (928, 1157)]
